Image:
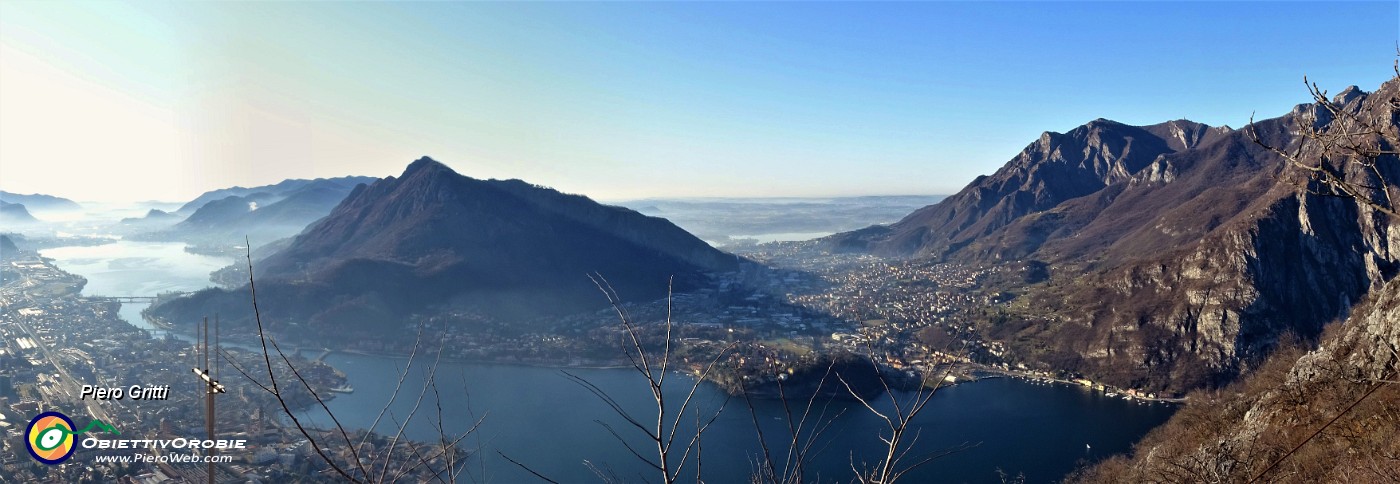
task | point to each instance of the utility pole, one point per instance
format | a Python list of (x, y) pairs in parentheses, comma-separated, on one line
[(212, 386)]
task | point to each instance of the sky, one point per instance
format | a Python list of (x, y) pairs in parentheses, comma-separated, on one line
[(111, 101)]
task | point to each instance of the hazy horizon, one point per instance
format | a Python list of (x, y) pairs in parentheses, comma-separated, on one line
[(698, 198), (126, 102)]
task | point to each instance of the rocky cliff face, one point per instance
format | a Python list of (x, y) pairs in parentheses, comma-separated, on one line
[(1197, 314), (1206, 287), (1180, 253)]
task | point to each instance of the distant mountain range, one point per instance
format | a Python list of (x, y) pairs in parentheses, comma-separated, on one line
[(15, 214), (16, 210), (432, 238), (262, 214), (279, 190), (1179, 252), (39, 202)]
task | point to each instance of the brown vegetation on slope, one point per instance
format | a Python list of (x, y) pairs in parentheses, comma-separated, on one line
[(1328, 415)]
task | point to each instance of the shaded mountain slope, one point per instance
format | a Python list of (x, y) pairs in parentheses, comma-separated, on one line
[(15, 214), (432, 239)]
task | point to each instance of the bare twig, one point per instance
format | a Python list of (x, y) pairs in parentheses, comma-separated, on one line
[(1327, 150), (889, 469), (447, 450), (663, 433), (276, 392), (527, 468)]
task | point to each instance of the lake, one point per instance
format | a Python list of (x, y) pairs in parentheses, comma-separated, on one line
[(136, 268), (537, 416)]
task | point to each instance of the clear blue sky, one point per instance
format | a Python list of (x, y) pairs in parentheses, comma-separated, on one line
[(627, 100)]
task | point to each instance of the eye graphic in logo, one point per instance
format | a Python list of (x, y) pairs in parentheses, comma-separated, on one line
[(50, 438)]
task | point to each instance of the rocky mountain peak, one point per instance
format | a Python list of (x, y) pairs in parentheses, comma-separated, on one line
[(427, 165), (1184, 134), (1351, 93)]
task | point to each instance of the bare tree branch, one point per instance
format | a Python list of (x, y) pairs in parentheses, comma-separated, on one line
[(1337, 151), (662, 435), (267, 359)]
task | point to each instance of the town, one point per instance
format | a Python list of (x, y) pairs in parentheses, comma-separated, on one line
[(58, 350), (789, 302)]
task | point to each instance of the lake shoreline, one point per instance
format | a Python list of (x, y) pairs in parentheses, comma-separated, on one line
[(1027, 427)]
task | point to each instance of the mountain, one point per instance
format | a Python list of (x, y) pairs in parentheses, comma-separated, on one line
[(432, 239), (1179, 254), (280, 190), (39, 202), (1054, 169), (153, 218), (142, 227), (261, 214), (15, 214)]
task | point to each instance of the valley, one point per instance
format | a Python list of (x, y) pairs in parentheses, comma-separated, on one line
[(687, 242)]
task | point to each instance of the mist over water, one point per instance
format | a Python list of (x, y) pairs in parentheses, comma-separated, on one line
[(729, 221), (134, 268), (537, 416)]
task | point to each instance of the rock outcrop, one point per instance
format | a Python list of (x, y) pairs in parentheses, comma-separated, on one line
[(1338, 401)]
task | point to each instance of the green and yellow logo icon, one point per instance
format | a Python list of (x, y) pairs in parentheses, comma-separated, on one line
[(50, 438)]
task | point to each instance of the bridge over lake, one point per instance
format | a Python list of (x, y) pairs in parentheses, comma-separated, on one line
[(132, 299)]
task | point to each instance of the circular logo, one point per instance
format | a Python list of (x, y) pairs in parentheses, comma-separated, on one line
[(50, 438)]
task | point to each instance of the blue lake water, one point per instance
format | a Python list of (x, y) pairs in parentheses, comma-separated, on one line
[(537, 416)]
